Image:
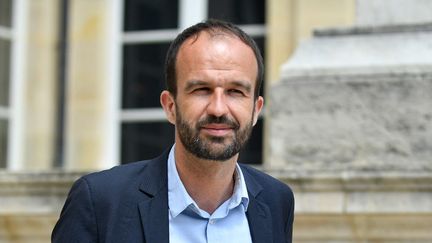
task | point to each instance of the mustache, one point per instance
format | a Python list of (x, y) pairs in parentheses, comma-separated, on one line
[(218, 120)]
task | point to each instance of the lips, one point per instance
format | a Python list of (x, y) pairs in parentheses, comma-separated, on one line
[(217, 129)]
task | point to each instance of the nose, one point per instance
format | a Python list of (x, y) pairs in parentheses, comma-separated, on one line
[(217, 104)]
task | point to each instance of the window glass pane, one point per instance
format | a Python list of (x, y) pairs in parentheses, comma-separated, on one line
[(143, 75), (252, 152), (238, 11), (5, 13), (145, 140), (4, 72), (260, 41), (3, 145), (150, 14)]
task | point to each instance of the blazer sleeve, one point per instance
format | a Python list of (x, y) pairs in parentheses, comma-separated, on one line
[(290, 221), (77, 222)]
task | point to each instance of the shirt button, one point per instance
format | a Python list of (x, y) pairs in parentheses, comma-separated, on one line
[(212, 221)]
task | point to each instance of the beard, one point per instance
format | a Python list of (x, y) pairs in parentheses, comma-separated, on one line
[(213, 147)]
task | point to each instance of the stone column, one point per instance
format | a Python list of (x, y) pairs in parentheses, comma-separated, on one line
[(290, 21), (91, 95), (351, 127), (37, 127)]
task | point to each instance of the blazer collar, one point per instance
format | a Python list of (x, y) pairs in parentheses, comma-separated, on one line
[(154, 209), (154, 178), (258, 213)]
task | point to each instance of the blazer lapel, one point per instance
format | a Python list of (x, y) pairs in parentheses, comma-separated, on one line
[(154, 210), (258, 213), (260, 223), (154, 218)]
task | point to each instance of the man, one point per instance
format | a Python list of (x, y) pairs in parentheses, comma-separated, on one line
[(196, 191)]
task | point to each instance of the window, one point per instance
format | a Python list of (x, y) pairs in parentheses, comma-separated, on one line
[(145, 140), (150, 15), (149, 27), (4, 71), (5, 59), (3, 142), (6, 13), (241, 12), (143, 75)]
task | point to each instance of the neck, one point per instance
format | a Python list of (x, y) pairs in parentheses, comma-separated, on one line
[(209, 183)]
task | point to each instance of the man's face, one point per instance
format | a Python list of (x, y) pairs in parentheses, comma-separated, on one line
[(204, 146), (215, 108)]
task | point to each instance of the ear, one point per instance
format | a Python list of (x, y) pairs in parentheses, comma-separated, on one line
[(168, 104), (259, 104)]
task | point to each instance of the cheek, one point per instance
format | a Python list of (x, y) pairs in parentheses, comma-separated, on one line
[(188, 113), (244, 115)]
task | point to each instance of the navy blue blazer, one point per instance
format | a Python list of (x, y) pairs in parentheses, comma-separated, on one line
[(129, 203)]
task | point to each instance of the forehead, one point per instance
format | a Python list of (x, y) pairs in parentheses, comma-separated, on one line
[(207, 38), (216, 51)]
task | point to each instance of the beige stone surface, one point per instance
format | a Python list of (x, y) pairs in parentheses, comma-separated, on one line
[(26, 228), (288, 23), (359, 192), (40, 84), (319, 202), (352, 206), (88, 98), (280, 38), (291, 21), (390, 12), (364, 125), (355, 101), (311, 14), (350, 131), (30, 203), (356, 228)]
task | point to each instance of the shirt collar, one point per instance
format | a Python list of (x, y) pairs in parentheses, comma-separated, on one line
[(179, 199), (240, 194)]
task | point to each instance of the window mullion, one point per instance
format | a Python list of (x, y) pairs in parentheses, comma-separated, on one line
[(254, 30), (17, 87), (149, 36), (143, 115), (5, 33), (4, 113), (192, 12)]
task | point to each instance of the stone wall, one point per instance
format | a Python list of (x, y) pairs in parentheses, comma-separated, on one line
[(350, 127), (360, 206), (30, 204)]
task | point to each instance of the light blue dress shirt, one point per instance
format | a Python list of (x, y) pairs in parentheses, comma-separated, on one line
[(190, 224)]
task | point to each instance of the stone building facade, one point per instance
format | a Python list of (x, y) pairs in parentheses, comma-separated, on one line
[(351, 127), (347, 119)]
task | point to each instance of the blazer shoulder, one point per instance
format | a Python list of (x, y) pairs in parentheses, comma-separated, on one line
[(125, 177), (117, 172), (126, 171)]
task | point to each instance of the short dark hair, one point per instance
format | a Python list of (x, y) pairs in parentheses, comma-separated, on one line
[(210, 25)]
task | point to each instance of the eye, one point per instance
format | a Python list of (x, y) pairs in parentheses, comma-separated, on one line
[(236, 92), (201, 90)]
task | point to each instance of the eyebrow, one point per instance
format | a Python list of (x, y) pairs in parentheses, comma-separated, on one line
[(238, 83), (243, 84), (193, 83)]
